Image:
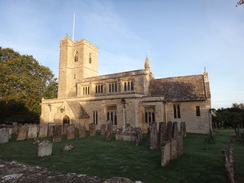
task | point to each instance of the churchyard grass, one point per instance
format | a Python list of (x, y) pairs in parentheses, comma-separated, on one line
[(95, 157)]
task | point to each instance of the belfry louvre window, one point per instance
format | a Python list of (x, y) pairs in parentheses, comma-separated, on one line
[(113, 87), (149, 114), (198, 112), (95, 117), (176, 111), (99, 88), (128, 85), (112, 114), (85, 90)]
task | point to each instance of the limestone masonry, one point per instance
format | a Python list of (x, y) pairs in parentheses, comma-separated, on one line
[(133, 97)]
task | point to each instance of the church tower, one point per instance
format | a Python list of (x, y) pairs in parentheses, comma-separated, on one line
[(77, 60)]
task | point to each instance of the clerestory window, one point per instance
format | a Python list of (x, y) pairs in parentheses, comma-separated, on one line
[(128, 85)]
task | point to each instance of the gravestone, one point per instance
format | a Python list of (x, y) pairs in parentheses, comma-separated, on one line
[(57, 133), (10, 132), (82, 131), (70, 132), (32, 132), (138, 136), (118, 134), (68, 147), (92, 129), (45, 148), (175, 129), (165, 153), (109, 131), (50, 130), (103, 129), (65, 126), (15, 128), (43, 130), (162, 132), (153, 136), (179, 140), (173, 149), (169, 132), (22, 134), (183, 129), (4, 135)]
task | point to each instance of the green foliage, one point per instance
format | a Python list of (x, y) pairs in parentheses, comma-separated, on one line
[(51, 90), (22, 84), (96, 157), (229, 117)]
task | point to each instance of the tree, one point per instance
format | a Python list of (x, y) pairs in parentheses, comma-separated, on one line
[(240, 2), (230, 117), (22, 84)]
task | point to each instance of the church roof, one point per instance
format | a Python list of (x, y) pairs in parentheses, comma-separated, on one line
[(78, 110), (184, 88)]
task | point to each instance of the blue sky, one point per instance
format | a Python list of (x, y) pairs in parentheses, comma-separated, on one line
[(179, 37)]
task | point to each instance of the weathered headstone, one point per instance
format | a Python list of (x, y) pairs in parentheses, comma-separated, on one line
[(4, 135), (103, 129), (15, 128), (169, 131), (10, 132), (70, 132), (22, 134), (65, 126), (175, 129), (82, 131), (153, 136), (165, 153), (57, 133), (173, 149), (50, 130), (109, 131), (138, 136), (179, 140), (68, 147), (32, 132), (183, 129), (45, 148), (118, 134), (43, 130), (162, 132), (92, 129)]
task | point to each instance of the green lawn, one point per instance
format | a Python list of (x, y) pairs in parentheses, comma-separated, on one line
[(95, 157)]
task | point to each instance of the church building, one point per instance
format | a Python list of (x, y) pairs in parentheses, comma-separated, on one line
[(133, 97)]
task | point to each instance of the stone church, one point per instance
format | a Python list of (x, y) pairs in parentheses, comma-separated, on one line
[(134, 97)]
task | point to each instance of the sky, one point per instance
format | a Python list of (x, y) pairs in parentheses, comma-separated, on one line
[(179, 37)]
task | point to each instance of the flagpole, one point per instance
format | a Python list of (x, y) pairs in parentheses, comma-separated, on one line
[(73, 32)]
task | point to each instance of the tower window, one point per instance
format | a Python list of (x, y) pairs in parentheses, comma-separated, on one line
[(177, 111), (198, 112), (76, 56), (90, 58)]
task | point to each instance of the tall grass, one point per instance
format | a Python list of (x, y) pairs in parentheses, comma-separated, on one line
[(96, 157)]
